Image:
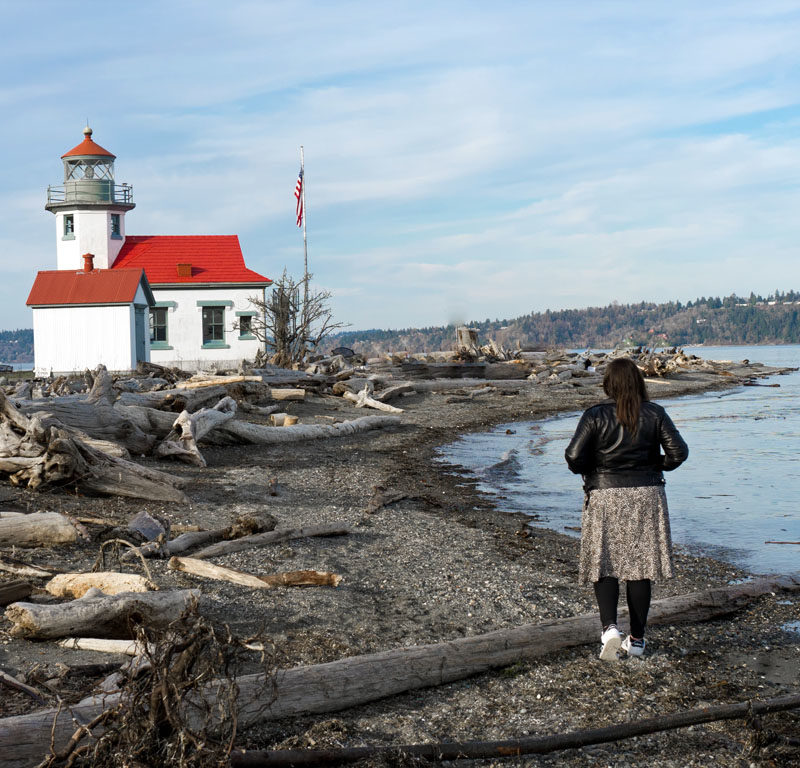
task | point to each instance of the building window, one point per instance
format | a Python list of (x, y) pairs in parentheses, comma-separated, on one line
[(158, 326), (69, 225), (116, 225), (245, 325), (213, 324)]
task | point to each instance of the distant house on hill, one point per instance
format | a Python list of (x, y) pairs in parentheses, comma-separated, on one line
[(195, 290)]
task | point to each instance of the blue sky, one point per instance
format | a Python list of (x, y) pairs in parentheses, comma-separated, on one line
[(464, 160)]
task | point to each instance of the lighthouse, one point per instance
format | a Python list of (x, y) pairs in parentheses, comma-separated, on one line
[(89, 207)]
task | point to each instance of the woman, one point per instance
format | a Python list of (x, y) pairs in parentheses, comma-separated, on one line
[(625, 532)]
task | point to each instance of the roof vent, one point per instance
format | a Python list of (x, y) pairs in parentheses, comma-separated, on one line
[(88, 262), (184, 270)]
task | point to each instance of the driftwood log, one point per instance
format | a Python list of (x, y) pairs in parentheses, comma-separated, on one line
[(360, 679), (363, 400), (529, 745), (76, 585), (98, 615), (271, 537), (102, 645), (188, 429), (243, 526), (267, 581), (38, 456), (11, 591), (18, 568), (37, 529), (95, 415), (257, 434)]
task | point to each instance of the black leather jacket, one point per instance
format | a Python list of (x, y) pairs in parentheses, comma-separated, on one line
[(608, 456)]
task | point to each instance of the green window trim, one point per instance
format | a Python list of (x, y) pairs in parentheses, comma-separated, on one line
[(216, 345), (67, 237), (169, 304), (247, 314), (248, 337), (220, 303), (159, 345)]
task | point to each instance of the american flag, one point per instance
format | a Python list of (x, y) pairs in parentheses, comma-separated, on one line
[(298, 193)]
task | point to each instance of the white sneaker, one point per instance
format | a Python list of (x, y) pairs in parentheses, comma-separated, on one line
[(633, 647), (611, 640)]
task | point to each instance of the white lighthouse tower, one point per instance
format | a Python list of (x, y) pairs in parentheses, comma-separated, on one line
[(90, 207)]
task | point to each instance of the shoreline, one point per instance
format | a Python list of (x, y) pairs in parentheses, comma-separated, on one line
[(437, 563)]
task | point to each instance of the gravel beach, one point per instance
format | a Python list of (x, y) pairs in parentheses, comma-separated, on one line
[(438, 563)]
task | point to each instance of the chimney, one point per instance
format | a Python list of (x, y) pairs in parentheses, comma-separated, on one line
[(88, 262), (184, 270)]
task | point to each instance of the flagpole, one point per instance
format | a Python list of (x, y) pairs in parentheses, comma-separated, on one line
[(305, 243)]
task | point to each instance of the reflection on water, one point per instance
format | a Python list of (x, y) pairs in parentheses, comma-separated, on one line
[(739, 488)]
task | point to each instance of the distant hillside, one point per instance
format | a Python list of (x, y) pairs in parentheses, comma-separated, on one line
[(732, 320), (16, 346)]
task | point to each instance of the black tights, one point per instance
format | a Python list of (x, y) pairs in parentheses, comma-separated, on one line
[(638, 593)]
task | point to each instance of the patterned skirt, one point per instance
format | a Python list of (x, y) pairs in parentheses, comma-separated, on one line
[(625, 533)]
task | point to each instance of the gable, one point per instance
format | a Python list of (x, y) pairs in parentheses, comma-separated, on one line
[(100, 286), (188, 259)]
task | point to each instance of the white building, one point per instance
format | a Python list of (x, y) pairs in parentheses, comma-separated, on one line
[(82, 318), (200, 311)]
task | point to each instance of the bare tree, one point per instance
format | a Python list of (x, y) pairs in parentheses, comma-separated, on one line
[(289, 327)]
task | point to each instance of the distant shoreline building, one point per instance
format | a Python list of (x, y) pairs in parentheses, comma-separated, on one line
[(119, 299)]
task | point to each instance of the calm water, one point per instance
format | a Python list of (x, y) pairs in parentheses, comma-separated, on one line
[(739, 488)]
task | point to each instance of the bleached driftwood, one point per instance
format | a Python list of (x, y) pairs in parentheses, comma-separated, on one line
[(259, 410), (189, 429), (271, 537), (102, 645), (197, 382), (390, 393), (37, 529), (356, 680), (288, 579), (244, 432), (98, 614), (192, 539), (36, 455), (175, 400), (24, 569), (109, 582), (362, 399), (94, 415), (287, 394)]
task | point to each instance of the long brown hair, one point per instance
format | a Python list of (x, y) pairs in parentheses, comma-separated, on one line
[(624, 384)]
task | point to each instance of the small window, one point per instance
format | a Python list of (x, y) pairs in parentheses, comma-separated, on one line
[(69, 225), (213, 324), (245, 325), (115, 225), (158, 325)]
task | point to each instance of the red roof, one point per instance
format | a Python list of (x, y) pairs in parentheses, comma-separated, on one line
[(100, 286), (206, 259), (88, 147)]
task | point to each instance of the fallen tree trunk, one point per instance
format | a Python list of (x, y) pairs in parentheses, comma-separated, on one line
[(174, 400), (95, 415), (357, 680), (38, 456), (363, 400), (102, 645), (271, 537), (24, 569), (189, 429), (11, 591), (243, 526), (257, 434), (37, 529), (98, 615), (529, 745), (76, 585), (289, 579)]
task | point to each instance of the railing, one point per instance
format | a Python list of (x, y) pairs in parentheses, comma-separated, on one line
[(94, 191)]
